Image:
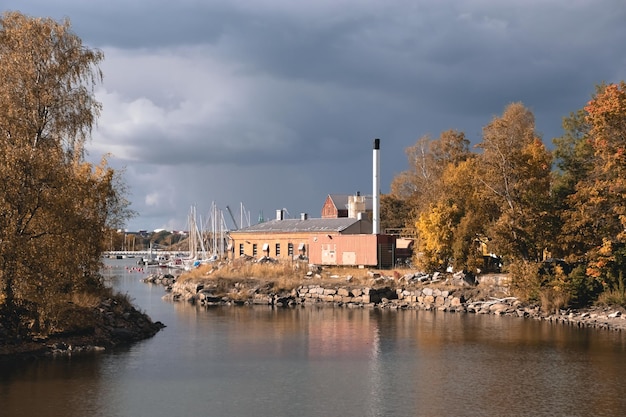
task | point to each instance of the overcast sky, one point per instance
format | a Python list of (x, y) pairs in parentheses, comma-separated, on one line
[(275, 103)]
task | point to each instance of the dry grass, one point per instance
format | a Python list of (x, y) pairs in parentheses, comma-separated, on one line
[(238, 271), (85, 299), (614, 296), (552, 300), (282, 276)]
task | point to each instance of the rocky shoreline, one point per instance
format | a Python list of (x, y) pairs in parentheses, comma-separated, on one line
[(403, 293), (115, 324), (119, 325)]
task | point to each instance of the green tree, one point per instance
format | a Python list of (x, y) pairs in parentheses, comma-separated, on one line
[(55, 207), (573, 157)]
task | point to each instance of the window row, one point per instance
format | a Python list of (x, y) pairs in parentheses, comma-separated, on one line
[(266, 249)]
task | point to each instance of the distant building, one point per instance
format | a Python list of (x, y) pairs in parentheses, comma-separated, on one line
[(347, 233), (346, 205), (323, 241)]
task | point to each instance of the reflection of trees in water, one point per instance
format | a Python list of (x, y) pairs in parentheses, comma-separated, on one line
[(61, 387)]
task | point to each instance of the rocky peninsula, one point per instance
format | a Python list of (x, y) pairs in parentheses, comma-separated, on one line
[(113, 322), (452, 293)]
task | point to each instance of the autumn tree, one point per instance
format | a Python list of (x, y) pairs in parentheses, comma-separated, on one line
[(460, 184), (595, 222), (438, 199), (450, 229), (394, 212), (427, 159), (572, 156), (416, 180), (55, 206), (436, 228), (514, 173)]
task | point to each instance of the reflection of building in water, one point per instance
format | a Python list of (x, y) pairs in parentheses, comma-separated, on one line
[(333, 335), (376, 375), (324, 333), (349, 341)]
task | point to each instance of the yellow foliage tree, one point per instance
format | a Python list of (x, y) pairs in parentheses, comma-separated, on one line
[(449, 229), (436, 229), (55, 207), (515, 173)]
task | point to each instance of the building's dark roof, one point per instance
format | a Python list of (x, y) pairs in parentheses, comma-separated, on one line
[(341, 201), (298, 225)]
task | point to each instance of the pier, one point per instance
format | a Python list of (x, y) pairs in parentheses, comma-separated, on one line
[(151, 254)]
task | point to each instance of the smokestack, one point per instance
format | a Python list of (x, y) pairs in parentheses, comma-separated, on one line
[(376, 188)]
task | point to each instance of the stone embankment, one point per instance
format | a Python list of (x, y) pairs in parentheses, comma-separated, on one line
[(111, 324), (406, 293)]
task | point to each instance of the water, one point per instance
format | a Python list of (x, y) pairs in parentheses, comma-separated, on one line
[(237, 361)]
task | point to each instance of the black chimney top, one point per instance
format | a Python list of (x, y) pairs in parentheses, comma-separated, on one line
[(377, 144)]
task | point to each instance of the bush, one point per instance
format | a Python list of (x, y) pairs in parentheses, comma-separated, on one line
[(615, 295), (550, 285), (552, 300), (526, 281), (583, 288)]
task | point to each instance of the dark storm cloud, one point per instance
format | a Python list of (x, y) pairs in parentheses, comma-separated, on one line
[(275, 102)]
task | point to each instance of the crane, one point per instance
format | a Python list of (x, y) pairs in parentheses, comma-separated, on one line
[(232, 217)]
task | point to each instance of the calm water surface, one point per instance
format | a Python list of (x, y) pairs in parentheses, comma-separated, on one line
[(239, 361)]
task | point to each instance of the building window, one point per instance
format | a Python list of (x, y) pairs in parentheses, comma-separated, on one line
[(277, 250), (290, 249), (241, 252), (254, 249)]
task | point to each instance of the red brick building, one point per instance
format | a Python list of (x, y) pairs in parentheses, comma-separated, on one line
[(346, 205)]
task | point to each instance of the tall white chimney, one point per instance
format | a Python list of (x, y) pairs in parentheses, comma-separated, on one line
[(376, 189)]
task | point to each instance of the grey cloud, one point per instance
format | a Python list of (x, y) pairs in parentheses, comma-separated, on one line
[(275, 103)]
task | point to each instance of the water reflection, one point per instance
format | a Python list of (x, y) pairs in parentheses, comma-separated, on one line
[(325, 361), (40, 388)]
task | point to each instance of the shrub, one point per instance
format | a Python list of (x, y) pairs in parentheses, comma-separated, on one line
[(583, 288), (615, 295), (545, 283), (526, 280), (552, 300)]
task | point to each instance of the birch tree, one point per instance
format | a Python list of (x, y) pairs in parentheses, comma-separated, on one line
[(55, 207), (514, 172)]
